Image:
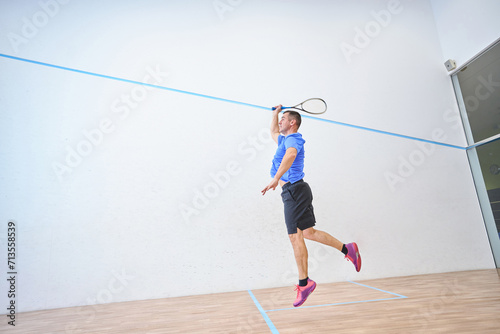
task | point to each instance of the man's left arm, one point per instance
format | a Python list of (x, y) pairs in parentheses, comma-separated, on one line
[(285, 165)]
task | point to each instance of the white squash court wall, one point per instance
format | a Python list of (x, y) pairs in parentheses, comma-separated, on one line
[(128, 218), (466, 28)]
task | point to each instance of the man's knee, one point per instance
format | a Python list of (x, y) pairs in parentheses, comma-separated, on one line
[(294, 237), (309, 233)]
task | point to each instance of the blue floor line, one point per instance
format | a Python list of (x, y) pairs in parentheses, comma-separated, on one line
[(371, 287), (263, 313), (334, 304), (398, 296)]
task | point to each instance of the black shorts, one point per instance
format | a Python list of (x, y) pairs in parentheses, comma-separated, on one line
[(297, 199)]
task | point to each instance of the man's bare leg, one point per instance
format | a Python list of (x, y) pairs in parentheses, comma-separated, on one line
[(322, 237), (300, 252), (351, 250)]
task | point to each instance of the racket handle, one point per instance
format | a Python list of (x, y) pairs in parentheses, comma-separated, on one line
[(274, 108)]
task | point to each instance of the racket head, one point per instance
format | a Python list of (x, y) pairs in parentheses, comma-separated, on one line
[(313, 106)]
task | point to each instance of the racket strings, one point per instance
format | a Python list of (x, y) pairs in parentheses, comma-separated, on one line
[(314, 106)]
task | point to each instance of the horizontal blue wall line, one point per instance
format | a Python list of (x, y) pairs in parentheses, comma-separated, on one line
[(231, 101), (131, 81), (386, 133)]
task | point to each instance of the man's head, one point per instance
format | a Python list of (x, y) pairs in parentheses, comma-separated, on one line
[(290, 122)]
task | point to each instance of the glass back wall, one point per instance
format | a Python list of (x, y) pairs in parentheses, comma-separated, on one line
[(477, 86)]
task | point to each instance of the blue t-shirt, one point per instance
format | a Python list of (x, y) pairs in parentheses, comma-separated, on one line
[(296, 171)]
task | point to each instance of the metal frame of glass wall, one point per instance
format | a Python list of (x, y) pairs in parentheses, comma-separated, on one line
[(467, 101)]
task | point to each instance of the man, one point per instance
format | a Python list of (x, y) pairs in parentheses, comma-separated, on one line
[(287, 170)]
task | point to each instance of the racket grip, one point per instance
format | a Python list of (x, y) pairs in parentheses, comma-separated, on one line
[(274, 108)]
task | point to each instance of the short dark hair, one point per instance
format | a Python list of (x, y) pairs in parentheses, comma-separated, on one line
[(294, 115)]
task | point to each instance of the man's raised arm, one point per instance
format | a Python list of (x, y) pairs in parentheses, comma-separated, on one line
[(275, 129)]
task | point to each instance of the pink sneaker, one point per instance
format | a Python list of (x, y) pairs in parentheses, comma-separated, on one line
[(353, 255), (303, 292)]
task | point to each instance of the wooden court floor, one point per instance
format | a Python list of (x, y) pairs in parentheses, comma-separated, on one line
[(459, 302)]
